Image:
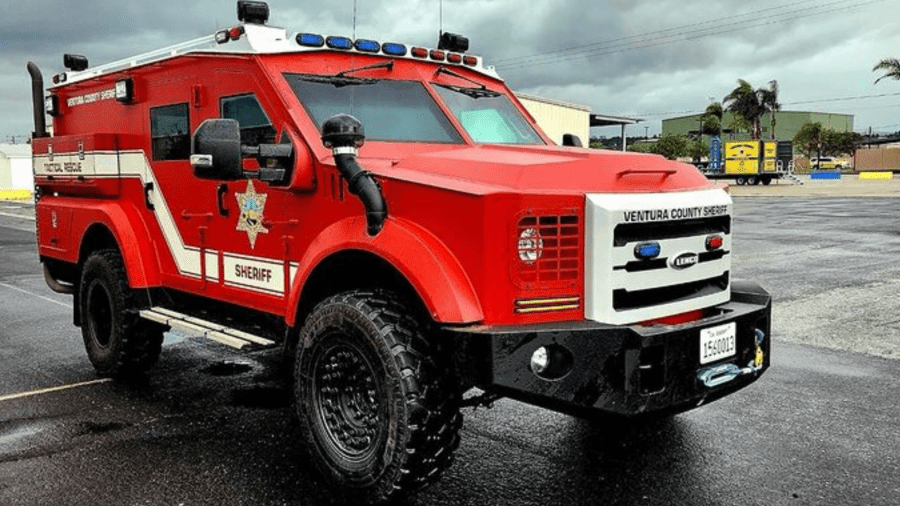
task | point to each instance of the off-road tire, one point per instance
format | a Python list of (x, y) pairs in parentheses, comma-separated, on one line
[(377, 404), (118, 342)]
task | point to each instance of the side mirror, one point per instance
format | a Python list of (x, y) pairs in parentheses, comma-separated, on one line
[(216, 150), (572, 140)]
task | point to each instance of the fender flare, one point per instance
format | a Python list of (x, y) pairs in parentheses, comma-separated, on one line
[(141, 264), (425, 261)]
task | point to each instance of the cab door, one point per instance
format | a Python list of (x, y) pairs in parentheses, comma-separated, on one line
[(251, 230)]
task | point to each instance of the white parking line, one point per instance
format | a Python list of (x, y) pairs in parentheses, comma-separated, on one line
[(53, 389), (11, 215), (48, 299)]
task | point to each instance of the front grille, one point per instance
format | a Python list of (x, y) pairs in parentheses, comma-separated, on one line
[(638, 232), (624, 299), (558, 251)]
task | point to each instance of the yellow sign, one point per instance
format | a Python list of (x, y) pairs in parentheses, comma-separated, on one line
[(741, 150), (769, 149), (742, 166)]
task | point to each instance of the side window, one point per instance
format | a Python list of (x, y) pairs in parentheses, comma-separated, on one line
[(170, 132), (256, 128)]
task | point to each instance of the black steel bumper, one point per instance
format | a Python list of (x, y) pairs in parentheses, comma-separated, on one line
[(622, 370)]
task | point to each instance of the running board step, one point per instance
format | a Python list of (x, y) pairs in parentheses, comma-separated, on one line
[(219, 333)]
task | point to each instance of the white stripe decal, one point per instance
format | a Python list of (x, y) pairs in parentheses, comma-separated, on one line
[(247, 272)]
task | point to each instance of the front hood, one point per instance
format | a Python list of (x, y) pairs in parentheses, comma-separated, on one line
[(544, 169)]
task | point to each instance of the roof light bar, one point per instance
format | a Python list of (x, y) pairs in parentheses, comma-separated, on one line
[(310, 40), (437, 55), (367, 46), (419, 52), (394, 49), (339, 42), (454, 58)]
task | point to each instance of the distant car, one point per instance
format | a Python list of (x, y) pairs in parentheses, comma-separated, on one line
[(825, 163)]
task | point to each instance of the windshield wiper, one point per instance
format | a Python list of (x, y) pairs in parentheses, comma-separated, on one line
[(382, 65), (480, 92), (337, 81), (342, 79)]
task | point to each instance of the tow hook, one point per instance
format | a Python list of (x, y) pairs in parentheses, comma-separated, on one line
[(716, 375)]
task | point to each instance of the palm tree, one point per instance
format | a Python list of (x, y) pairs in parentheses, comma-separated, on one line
[(712, 119), (744, 103), (891, 66), (768, 98)]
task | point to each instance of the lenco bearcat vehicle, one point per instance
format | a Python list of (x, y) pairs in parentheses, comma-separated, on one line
[(395, 220)]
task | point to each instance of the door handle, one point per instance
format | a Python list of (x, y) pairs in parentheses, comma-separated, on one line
[(221, 190), (148, 187)]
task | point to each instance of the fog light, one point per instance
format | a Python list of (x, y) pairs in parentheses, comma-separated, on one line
[(540, 360), (552, 362)]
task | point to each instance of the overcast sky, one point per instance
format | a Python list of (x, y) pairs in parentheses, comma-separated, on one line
[(644, 59)]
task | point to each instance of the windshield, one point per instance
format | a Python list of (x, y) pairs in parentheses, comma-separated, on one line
[(400, 111), (488, 118)]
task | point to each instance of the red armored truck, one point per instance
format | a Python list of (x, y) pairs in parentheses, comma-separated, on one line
[(396, 220)]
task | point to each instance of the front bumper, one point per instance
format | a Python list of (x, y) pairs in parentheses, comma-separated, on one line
[(623, 370)]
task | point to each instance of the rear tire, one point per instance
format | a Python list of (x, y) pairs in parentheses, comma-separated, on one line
[(118, 342), (378, 409)]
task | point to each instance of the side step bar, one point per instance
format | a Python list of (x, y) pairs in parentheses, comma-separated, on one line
[(225, 335)]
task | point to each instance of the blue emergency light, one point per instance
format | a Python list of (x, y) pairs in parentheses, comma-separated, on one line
[(367, 46), (310, 40), (335, 42), (647, 250)]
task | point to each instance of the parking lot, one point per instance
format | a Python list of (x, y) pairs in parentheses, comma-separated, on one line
[(214, 427)]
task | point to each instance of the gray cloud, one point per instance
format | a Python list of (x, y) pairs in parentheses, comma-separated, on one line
[(641, 58)]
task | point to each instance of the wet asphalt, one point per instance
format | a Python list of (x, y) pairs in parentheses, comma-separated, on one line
[(213, 427)]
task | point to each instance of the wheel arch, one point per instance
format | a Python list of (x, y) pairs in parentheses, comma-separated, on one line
[(403, 257), (112, 226)]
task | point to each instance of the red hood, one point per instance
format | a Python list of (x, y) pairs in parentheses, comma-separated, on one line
[(540, 169)]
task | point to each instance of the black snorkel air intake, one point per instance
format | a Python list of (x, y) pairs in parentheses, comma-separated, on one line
[(344, 134), (37, 99)]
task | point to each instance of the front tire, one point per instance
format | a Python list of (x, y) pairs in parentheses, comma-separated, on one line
[(377, 407), (117, 341)]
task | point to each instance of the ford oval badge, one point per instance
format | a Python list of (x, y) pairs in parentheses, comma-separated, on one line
[(684, 260)]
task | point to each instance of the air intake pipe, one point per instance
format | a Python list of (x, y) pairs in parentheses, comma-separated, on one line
[(37, 98), (344, 134)]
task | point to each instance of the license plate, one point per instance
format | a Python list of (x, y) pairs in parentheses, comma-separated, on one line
[(717, 343)]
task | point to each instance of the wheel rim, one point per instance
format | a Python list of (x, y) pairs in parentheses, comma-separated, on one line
[(99, 314), (346, 397)]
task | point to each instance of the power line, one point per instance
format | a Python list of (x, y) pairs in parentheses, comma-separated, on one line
[(799, 102), (652, 39)]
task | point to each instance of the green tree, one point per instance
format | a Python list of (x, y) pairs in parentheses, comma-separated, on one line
[(839, 143), (712, 119), (768, 98), (671, 146), (697, 149), (744, 103), (749, 106), (891, 68), (809, 138)]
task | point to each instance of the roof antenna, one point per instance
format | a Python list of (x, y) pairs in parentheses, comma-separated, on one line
[(354, 19), (441, 19)]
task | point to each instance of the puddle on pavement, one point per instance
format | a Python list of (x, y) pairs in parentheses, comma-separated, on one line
[(227, 368)]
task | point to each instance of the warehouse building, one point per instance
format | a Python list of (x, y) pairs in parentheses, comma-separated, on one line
[(787, 124), (15, 167)]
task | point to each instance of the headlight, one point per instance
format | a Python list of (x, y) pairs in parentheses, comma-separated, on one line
[(531, 246)]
